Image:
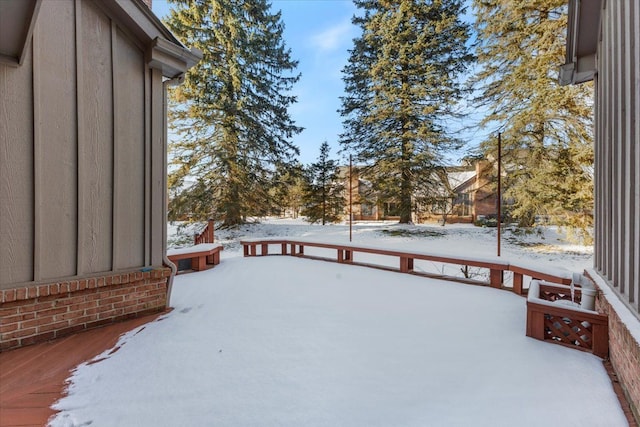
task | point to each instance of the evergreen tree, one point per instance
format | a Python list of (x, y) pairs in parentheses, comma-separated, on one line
[(401, 84), (287, 189), (546, 129), (323, 198), (231, 113)]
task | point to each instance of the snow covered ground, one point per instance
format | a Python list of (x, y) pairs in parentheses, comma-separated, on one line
[(281, 341)]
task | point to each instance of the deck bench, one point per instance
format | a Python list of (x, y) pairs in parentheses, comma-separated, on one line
[(202, 256), (553, 315)]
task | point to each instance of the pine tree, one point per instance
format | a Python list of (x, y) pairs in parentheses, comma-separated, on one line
[(231, 114), (401, 83), (323, 198), (546, 128), (287, 189)]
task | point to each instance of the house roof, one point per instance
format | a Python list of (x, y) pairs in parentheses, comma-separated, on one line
[(165, 52), (459, 178), (583, 33)]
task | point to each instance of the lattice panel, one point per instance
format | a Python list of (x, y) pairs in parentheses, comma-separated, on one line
[(568, 331)]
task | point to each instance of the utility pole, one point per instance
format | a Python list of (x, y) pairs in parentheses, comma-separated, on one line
[(350, 195), (499, 188)]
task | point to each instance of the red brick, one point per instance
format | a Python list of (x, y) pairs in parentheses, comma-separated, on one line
[(158, 292), (53, 326), (81, 320), (18, 334), (92, 297), (121, 291), (33, 291), (53, 311), (10, 327), (8, 295), (5, 312), (69, 315), (21, 293), (12, 303), (54, 289), (37, 306), (64, 287), (111, 313), (116, 280), (17, 318), (73, 286), (39, 321), (43, 290), (125, 304), (48, 298), (91, 283), (8, 344), (83, 306), (110, 301)]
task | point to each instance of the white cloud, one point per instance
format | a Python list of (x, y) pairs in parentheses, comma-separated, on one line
[(333, 37)]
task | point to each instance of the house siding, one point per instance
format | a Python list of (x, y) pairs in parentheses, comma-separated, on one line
[(79, 193), (617, 167)]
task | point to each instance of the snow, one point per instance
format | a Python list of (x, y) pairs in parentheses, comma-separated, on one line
[(534, 296), (202, 247), (283, 341)]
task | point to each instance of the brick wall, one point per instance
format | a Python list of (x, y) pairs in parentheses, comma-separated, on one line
[(39, 313), (624, 348)]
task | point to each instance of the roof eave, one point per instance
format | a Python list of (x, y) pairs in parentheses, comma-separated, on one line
[(583, 29), (165, 52), (17, 21)]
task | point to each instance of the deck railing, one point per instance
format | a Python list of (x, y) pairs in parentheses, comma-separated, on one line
[(344, 254), (206, 235)]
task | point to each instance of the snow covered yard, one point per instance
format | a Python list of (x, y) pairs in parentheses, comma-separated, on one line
[(280, 341)]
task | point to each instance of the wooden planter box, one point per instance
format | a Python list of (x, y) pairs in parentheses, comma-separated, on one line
[(552, 315)]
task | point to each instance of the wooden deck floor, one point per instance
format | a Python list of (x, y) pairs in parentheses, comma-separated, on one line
[(33, 378)]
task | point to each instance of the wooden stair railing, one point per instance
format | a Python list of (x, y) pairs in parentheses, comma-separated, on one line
[(206, 235)]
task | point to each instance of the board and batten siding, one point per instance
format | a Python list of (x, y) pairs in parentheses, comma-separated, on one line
[(617, 255), (79, 194)]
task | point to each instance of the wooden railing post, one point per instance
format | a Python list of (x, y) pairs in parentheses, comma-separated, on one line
[(495, 278), (210, 228)]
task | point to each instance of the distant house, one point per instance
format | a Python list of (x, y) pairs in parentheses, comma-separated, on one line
[(459, 194), (366, 204), (465, 194), (603, 45), (82, 164)]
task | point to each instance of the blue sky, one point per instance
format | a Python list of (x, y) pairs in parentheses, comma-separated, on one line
[(319, 34)]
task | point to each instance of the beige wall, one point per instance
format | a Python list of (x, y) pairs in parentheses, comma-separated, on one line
[(81, 150), (617, 255)]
